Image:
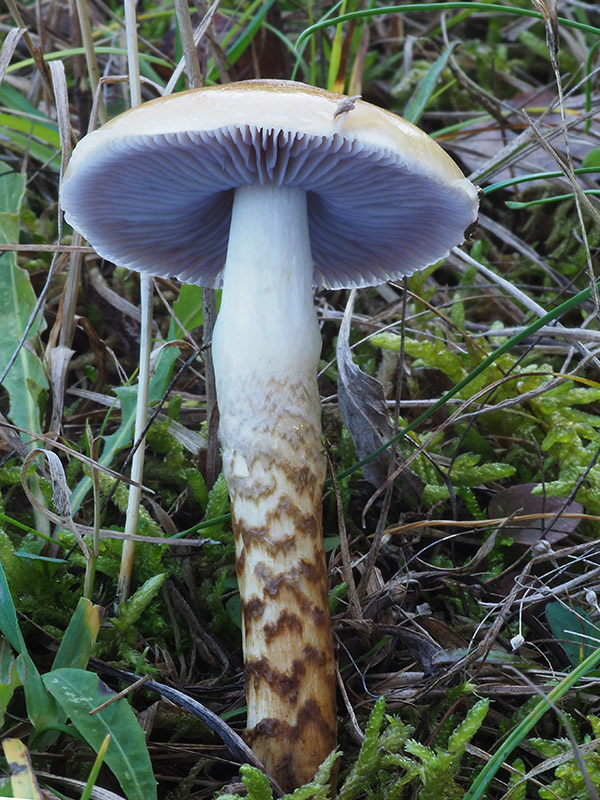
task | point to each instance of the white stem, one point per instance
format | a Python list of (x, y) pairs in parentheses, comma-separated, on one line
[(266, 346), (267, 325), (266, 341), (137, 463)]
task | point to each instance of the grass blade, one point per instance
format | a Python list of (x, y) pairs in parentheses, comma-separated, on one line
[(451, 6), (418, 102)]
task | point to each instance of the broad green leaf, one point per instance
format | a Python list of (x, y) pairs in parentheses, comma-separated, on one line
[(592, 158), (26, 123), (79, 638), (573, 630), (127, 756), (41, 708), (26, 380), (187, 309)]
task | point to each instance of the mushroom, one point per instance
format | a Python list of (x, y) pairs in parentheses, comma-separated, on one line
[(269, 188)]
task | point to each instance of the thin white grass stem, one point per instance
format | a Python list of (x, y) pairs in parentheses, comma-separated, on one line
[(92, 561), (146, 287), (578, 334), (137, 463), (69, 304), (508, 287), (90, 55), (45, 248)]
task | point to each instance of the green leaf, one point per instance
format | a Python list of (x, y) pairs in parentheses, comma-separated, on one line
[(8, 616), (26, 379), (418, 102), (517, 787), (41, 708), (95, 771), (23, 143), (592, 158), (320, 786), (335, 56), (573, 630), (127, 755), (216, 506), (249, 22), (188, 310), (79, 638), (12, 675), (27, 129)]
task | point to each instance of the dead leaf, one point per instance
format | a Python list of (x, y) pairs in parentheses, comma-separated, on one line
[(519, 498), (362, 405)]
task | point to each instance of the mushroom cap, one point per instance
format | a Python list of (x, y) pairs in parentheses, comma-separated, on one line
[(153, 189)]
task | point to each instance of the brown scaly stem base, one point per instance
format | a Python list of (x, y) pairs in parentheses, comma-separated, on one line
[(282, 574)]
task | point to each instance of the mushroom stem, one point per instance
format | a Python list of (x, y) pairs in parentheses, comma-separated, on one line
[(266, 346)]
